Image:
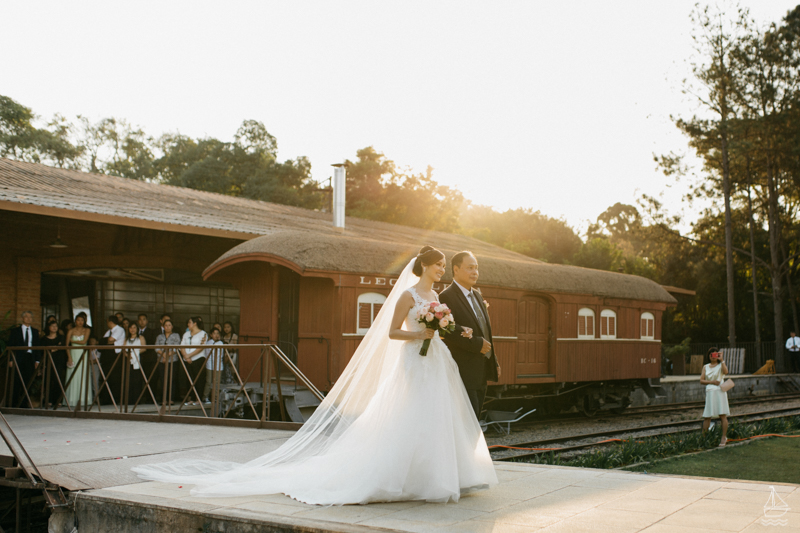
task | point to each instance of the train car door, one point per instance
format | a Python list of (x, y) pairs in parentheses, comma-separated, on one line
[(533, 333)]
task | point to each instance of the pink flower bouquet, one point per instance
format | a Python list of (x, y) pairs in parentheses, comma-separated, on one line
[(438, 317)]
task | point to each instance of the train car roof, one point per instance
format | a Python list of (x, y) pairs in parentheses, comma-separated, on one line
[(300, 238), (351, 252)]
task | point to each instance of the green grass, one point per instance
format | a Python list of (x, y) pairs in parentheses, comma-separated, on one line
[(770, 459), (650, 449)]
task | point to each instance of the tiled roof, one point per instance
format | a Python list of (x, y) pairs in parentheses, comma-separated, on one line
[(34, 184)]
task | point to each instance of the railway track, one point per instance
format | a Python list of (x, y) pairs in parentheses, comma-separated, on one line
[(657, 409), (690, 424)]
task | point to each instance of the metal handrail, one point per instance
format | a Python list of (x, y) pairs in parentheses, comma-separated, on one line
[(270, 356)]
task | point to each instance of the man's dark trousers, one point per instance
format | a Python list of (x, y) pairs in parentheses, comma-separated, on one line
[(475, 368)]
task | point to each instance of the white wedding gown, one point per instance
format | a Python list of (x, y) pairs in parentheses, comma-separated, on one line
[(414, 437)]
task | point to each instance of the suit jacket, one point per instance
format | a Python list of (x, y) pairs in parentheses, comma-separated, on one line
[(17, 339), (475, 368), (150, 335)]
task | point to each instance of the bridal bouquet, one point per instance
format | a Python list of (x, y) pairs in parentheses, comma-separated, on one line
[(435, 316)]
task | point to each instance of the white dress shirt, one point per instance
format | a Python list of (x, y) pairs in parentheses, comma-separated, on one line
[(214, 356), (133, 353), (119, 336), (793, 344), (27, 333), (189, 339), (472, 303)]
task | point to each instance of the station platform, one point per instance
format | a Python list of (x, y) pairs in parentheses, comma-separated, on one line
[(679, 389), (93, 458)]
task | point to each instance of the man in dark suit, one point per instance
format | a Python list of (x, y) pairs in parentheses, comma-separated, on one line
[(149, 358), (27, 360), (475, 357)]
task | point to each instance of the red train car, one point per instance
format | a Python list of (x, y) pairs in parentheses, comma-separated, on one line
[(564, 336)]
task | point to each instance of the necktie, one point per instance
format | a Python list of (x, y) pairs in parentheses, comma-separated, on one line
[(478, 313), (27, 336)]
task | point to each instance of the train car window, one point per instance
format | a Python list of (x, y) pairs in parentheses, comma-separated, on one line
[(369, 304), (648, 326), (608, 324), (585, 323)]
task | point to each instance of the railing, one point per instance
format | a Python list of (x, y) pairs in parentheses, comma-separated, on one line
[(159, 388)]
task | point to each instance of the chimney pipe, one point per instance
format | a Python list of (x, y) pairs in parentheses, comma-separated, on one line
[(338, 195)]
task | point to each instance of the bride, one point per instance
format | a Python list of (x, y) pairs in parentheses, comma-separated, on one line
[(395, 426)]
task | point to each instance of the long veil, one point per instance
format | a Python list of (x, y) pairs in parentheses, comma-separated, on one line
[(365, 374)]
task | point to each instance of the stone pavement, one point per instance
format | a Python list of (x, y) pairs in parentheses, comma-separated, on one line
[(87, 453), (529, 498), (82, 454)]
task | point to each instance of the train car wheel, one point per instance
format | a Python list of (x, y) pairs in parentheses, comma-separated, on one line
[(589, 406), (619, 410)]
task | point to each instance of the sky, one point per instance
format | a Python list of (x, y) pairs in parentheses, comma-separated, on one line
[(554, 106)]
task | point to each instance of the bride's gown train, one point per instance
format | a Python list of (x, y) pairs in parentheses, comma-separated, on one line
[(414, 437)]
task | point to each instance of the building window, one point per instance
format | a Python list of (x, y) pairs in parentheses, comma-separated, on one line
[(369, 304), (608, 324), (585, 323), (648, 326)]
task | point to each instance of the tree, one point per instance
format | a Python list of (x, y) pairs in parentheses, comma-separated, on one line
[(524, 231), (769, 100), (20, 139), (377, 190), (112, 146), (599, 253), (18, 136), (247, 167), (715, 43)]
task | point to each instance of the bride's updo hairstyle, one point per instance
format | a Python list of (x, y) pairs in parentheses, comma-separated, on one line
[(428, 255)]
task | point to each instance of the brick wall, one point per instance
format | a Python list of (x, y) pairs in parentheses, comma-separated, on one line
[(8, 292), (29, 288)]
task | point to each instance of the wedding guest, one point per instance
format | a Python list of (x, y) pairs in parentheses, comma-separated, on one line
[(229, 336), (94, 358), (193, 358), (125, 324), (114, 336), (132, 355), (149, 358), (164, 317), (169, 357), (119, 316), (217, 325), (213, 362), (716, 400), (58, 368), (24, 335), (66, 325), (79, 389), (793, 346)]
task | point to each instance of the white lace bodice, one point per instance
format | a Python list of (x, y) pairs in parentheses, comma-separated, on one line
[(411, 320)]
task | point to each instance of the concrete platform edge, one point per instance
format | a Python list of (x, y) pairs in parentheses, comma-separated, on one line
[(103, 511)]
